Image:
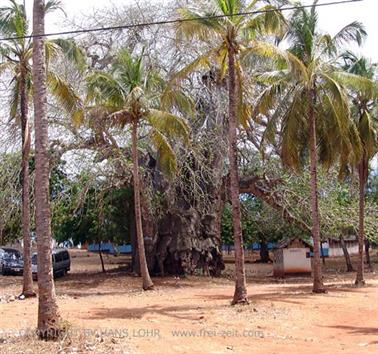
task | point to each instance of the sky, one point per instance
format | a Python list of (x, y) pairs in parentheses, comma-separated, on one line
[(331, 18)]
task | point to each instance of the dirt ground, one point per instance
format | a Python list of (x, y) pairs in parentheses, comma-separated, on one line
[(108, 313)]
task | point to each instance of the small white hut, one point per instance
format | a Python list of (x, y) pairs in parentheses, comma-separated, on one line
[(292, 256)]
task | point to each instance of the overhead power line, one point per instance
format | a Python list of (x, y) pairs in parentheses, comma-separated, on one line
[(179, 20)]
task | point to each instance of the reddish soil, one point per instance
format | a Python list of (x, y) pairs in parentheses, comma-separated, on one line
[(108, 313)]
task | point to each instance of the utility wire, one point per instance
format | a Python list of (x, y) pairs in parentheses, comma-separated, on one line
[(180, 20)]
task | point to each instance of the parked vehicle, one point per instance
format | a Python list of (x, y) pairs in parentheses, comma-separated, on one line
[(61, 262), (11, 261)]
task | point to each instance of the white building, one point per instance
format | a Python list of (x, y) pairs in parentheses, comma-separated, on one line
[(292, 256)]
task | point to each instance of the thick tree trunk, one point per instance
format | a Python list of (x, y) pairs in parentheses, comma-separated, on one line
[(240, 295), (27, 289), (318, 286), (147, 282), (48, 314), (362, 175), (346, 255)]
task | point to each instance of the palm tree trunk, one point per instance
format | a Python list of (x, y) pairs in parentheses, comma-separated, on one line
[(318, 286), (27, 290), (240, 295), (361, 179), (147, 282), (48, 315)]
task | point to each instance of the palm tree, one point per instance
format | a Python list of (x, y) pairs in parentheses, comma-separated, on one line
[(311, 107), (17, 54), (48, 314), (360, 70), (127, 93), (228, 37)]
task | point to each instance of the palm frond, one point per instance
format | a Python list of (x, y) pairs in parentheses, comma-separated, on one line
[(176, 98), (104, 89), (165, 154), (267, 50), (197, 25), (353, 32), (368, 131), (335, 97), (367, 87), (169, 124), (269, 22), (72, 52), (64, 93), (203, 61)]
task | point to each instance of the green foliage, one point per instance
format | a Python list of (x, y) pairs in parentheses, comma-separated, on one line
[(259, 222), (86, 211)]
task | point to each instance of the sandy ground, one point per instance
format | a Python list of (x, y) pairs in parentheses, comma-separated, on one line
[(108, 313)]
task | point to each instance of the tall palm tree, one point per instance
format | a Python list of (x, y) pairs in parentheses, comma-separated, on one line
[(228, 37), (16, 55), (364, 97), (311, 107), (128, 94), (48, 314)]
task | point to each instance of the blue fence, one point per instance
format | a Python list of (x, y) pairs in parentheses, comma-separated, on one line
[(108, 247), (254, 246)]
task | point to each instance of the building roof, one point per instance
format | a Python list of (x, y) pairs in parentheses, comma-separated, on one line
[(286, 243), (347, 238)]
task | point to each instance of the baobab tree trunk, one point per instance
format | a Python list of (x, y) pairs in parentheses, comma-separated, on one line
[(48, 314), (362, 176), (346, 255), (27, 290), (318, 286), (147, 282), (240, 295)]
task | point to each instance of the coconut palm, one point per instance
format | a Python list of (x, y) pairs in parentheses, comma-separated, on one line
[(364, 95), (16, 55), (227, 36), (310, 104), (48, 315), (127, 93)]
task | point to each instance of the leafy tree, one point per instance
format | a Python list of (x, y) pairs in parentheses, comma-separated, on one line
[(364, 98), (311, 106), (128, 93), (16, 55), (226, 37)]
